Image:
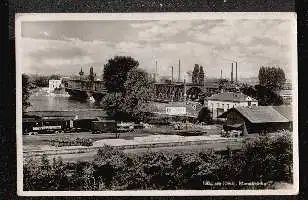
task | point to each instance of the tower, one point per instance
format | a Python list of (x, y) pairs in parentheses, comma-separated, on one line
[(81, 72), (92, 75)]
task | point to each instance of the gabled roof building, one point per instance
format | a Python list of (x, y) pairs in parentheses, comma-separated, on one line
[(220, 103), (259, 119)]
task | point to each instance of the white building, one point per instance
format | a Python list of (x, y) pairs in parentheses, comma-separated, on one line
[(53, 84), (220, 103)]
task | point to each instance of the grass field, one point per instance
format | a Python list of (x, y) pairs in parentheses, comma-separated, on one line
[(36, 142), (44, 139), (216, 146)]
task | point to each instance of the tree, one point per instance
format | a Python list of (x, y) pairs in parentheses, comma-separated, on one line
[(267, 97), (132, 103), (138, 92), (201, 76), (249, 90), (205, 115), (264, 95), (115, 72), (41, 81), (272, 78), (25, 92), (195, 74), (112, 103), (54, 77)]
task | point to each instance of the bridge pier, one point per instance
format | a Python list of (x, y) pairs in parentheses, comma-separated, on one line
[(78, 94), (97, 96)]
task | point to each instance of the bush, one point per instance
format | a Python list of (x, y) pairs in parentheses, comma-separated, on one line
[(66, 141), (264, 160)]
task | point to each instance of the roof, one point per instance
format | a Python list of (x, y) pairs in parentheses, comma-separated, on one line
[(285, 110), (82, 114), (230, 96), (259, 114)]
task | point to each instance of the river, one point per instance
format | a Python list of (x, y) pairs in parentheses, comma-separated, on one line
[(41, 100)]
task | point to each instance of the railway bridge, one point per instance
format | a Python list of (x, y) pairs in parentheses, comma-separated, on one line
[(181, 91), (177, 91), (84, 89)]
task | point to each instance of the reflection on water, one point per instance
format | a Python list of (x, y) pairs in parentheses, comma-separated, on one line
[(42, 101)]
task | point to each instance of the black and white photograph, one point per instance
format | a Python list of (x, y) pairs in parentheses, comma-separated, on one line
[(156, 104)]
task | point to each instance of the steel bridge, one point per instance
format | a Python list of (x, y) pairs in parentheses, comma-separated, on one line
[(177, 91)]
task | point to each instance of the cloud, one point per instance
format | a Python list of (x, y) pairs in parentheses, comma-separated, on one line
[(211, 43), (159, 30)]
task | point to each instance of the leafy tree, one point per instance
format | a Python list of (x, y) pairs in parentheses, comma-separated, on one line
[(138, 93), (41, 81), (264, 95), (112, 103), (201, 76), (267, 97), (54, 77), (249, 90), (205, 115), (272, 78), (165, 79), (195, 74), (132, 103), (115, 72), (25, 92)]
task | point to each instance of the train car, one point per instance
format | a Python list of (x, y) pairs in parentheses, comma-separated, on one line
[(104, 126), (47, 129)]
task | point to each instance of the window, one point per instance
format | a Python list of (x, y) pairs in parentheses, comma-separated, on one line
[(227, 106), (217, 105), (249, 103)]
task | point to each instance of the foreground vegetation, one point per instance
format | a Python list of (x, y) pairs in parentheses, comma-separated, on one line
[(261, 162)]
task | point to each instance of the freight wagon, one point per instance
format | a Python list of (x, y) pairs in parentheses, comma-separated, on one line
[(103, 126)]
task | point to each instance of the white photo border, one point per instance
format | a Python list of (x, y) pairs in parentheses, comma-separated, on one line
[(35, 17)]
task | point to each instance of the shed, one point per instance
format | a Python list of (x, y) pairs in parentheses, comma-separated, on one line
[(259, 119)]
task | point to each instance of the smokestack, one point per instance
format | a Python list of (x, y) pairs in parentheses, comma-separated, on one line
[(172, 73), (236, 72), (179, 78), (232, 73), (155, 71), (221, 74)]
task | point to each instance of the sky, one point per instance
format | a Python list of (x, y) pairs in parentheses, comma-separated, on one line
[(63, 47)]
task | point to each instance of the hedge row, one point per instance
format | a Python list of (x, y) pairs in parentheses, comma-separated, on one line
[(263, 161), (66, 141)]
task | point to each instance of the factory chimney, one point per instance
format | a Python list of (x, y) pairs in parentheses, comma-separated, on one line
[(232, 73), (221, 74), (236, 72), (172, 74), (155, 74), (179, 78)]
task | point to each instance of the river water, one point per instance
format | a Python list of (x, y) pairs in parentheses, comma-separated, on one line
[(41, 100)]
